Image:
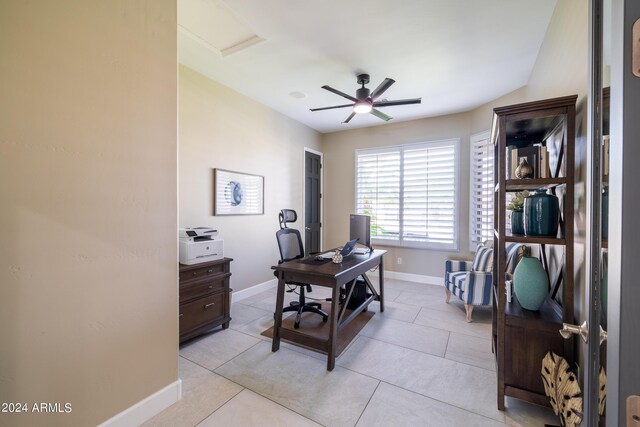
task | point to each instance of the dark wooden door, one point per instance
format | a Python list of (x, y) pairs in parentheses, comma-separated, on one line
[(312, 202)]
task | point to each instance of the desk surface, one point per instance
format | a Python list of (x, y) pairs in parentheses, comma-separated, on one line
[(330, 273)]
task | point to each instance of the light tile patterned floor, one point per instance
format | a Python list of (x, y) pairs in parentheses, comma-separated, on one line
[(417, 364)]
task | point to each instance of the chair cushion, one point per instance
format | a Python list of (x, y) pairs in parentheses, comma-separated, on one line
[(483, 260), (457, 278)]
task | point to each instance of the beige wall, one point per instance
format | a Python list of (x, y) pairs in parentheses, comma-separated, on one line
[(88, 294), (562, 65), (220, 128), (339, 150)]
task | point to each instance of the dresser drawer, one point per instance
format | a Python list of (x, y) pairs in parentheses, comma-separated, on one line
[(202, 287), (208, 270), (203, 311)]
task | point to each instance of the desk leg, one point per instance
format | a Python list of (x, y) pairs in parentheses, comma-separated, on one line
[(278, 314), (333, 329), (381, 273)]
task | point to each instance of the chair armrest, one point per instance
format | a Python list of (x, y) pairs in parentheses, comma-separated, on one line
[(451, 265), (477, 287), (481, 276)]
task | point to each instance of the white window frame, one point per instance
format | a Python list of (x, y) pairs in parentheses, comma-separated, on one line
[(476, 141), (454, 246)]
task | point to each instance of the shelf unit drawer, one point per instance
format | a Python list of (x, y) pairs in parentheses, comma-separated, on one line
[(197, 272), (203, 287), (202, 311)]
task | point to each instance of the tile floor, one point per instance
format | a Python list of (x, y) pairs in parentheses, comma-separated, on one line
[(417, 364)]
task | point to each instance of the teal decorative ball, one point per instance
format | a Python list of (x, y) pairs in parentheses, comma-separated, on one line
[(530, 283)]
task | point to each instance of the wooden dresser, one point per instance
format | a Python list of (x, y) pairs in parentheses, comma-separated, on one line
[(204, 297)]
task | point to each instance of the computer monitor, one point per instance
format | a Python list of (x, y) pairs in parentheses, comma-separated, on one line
[(360, 228)]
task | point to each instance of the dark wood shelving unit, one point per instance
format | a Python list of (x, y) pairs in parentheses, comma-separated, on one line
[(521, 338), (533, 184), (535, 240)]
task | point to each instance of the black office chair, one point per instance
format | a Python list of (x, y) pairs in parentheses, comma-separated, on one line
[(290, 245)]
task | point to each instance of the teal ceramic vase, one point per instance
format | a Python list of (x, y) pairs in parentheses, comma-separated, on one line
[(541, 214), (530, 283), (517, 223)]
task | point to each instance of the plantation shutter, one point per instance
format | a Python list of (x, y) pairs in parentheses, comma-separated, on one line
[(410, 193), (429, 211), (482, 188), (378, 191)]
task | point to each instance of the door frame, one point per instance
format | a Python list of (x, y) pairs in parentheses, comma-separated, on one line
[(304, 192), (593, 237), (623, 316)]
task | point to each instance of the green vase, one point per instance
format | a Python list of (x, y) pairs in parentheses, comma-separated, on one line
[(517, 223), (541, 214), (530, 283)]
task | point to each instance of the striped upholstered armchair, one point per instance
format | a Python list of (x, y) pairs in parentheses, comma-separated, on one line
[(471, 281)]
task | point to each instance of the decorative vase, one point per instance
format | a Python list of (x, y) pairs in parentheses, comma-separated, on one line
[(530, 283), (337, 257), (524, 169), (605, 213), (541, 214), (517, 223)]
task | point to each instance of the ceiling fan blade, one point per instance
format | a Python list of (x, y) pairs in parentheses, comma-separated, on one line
[(337, 92), (350, 117), (386, 83), (379, 114), (398, 102), (331, 108)]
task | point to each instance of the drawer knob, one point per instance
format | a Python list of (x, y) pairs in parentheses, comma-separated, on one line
[(181, 315), (194, 273), (211, 304), (211, 271), (210, 286)]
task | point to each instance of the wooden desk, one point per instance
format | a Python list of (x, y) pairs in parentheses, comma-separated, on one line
[(332, 276)]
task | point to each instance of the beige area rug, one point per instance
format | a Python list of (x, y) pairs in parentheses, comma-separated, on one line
[(312, 324)]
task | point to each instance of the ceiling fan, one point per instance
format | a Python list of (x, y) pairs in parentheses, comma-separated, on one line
[(366, 101)]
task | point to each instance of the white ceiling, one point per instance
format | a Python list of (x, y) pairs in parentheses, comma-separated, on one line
[(455, 54)]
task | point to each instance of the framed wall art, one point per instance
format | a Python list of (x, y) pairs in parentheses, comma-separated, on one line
[(237, 193)]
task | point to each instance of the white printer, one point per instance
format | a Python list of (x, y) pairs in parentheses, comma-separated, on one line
[(199, 244)]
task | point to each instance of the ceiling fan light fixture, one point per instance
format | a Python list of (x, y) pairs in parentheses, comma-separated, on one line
[(362, 107), (366, 101)]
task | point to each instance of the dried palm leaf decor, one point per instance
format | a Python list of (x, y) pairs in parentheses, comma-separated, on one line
[(602, 397), (563, 390)]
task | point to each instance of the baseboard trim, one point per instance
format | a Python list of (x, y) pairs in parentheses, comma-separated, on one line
[(253, 290), (418, 278), (148, 407)]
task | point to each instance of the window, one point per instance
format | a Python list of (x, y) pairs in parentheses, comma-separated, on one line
[(410, 192), (481, 188)]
